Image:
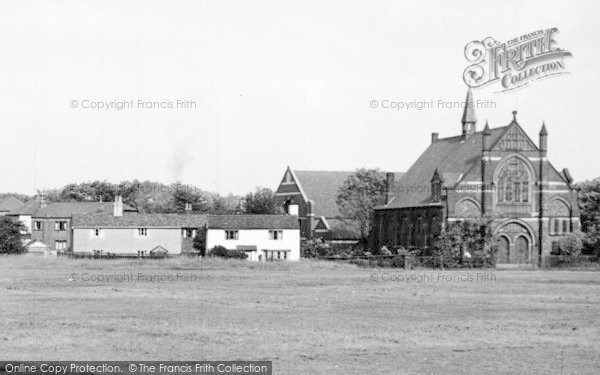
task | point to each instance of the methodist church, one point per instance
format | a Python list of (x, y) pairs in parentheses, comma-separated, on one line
[(496, 174)]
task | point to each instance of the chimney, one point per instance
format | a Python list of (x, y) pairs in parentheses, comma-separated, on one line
[(188, 207), (543, 139), (389, 186), (118, 206), (43, 202), (434, 137), (468, 119)]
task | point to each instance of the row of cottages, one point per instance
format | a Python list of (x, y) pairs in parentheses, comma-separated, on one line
[(498, 175), (49, 225), (261, 237), (311, 196)]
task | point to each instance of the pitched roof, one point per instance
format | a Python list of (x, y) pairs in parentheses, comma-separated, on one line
[(28, 208), (453, 157), (138, 221), (341, 229), (10, 203), (253, 222), (322, 187), (66, 209)]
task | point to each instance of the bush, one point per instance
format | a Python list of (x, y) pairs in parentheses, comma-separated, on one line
[(222, 252), (571, 244)]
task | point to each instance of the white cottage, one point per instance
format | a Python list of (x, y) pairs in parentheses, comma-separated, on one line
[(262, 237)]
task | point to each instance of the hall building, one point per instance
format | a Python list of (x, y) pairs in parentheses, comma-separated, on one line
[(498, 175)]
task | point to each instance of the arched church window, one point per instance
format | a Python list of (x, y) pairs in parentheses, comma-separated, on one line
[(513, 182)]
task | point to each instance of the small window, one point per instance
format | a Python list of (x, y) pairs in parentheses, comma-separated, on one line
[(275, 235), (37, 225), (60, 225), (285, 255), (187, 232), (556, 226), (96, 232), (525, 192), (565, 226), (60, 245), (231, 234), (142, 232)]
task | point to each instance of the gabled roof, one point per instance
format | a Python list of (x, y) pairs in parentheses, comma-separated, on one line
[(28, 208), (67, 209), (322, 188), (453, 157), (253, 222), (339, 229), (10, 203), (138, 221)]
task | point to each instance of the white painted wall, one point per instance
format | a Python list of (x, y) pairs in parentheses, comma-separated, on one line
[(259, 238), (26, 220), (126, 240)]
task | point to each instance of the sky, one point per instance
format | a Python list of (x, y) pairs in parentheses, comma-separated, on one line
[(224, 95)]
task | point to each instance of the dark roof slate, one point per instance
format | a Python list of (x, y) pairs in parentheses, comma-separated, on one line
[(138, 221), (253, 222)]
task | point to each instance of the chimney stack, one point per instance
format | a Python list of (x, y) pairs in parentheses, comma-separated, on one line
[(389, 184), (118, 206), (434, 137), (43, 202)]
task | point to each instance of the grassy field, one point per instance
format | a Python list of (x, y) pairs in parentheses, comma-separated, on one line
[(307, 317)]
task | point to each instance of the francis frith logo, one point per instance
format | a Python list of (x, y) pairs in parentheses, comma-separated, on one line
[(515, 63)]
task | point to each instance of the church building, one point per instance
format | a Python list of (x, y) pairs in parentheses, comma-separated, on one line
[(498, 175)]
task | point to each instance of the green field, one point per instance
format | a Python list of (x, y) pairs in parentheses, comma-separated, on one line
[(308, 317)]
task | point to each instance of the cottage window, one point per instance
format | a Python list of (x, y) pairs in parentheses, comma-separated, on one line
[(96, 232), (37, 225), (60, 244), (275, 235), (142, 232), (231, 234), (187, 232), (60, 225)]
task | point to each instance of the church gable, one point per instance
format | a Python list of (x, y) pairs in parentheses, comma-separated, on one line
[(288, 184), (515, 139)]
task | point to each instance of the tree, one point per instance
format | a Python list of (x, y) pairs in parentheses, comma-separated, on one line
[(589, 206), (199, 243), (183, 194), (465, 240), (359, 195), (262, 201), (10, 236)]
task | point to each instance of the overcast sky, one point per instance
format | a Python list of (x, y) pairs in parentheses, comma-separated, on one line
[(275, 83)]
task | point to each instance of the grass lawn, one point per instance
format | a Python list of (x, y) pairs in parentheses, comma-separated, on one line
[(307, 317)]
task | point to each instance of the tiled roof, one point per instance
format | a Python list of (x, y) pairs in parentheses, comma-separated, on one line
[(253, 222), (28, 208), (343, 230), (10, 203), (322, 187), (66, 209), (453, 158), (138, 221)]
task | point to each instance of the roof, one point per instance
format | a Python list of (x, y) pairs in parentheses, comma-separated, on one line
[(469, 112), (253, 222), (27, 208), (67, 209), (10, 203), (341, 229), (138, 221), (453, 157), (322, 187)]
